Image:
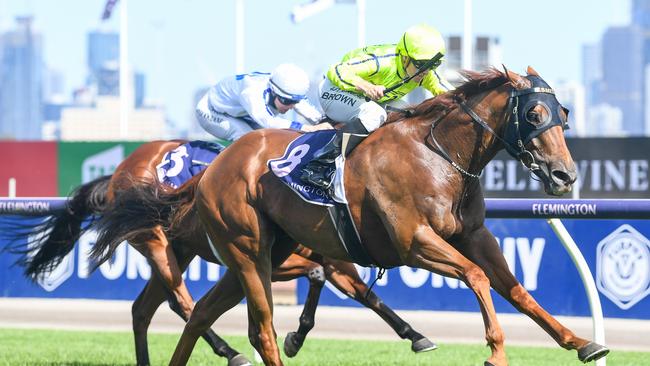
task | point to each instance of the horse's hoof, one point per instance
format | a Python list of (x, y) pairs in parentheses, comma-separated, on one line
[(423, 345), (488, 363), (591, 352), (239, 360), (291, 344)]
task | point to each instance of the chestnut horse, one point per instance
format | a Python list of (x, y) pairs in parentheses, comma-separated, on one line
[(414, 197), (170, 253)]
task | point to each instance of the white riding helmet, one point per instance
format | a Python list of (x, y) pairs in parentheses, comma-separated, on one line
[(289, 81)]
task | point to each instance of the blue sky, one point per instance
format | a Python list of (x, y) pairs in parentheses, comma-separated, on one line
[(182, 45)]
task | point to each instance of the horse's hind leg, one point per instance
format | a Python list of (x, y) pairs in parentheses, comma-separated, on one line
[(218, 345), (254, 273), (222, 297), (165, 264), (483, 249), (297, 266), (143, 309), (345, 277), (228, 292), (170, 270)]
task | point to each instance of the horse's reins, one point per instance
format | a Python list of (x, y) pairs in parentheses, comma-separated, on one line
[(523, 152), (443, 152)]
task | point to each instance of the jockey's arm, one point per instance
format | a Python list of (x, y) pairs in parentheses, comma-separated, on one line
[(352, 75), (308, 111), (435, 83), (252, 100)]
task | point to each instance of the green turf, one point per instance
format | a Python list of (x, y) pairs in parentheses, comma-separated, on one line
[(51, 347)]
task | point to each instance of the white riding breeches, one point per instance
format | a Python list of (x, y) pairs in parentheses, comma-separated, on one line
[(371, 115), (343, 106), (221, 125)]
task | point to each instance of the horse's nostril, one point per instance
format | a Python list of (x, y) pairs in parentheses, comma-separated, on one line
[(562, 176)]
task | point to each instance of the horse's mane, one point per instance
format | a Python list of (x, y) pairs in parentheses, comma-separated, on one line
[(477, 82)]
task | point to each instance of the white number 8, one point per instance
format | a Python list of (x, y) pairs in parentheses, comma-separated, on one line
[(284, 167)]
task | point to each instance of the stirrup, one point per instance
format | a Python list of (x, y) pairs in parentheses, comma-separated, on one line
[(321, 183), (317, 174), (327, 159)]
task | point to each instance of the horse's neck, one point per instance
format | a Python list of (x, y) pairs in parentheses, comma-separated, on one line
[(467, 143)]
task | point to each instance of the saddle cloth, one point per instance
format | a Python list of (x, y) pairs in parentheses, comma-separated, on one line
[(184, 162), (288, 169), (301, 151)]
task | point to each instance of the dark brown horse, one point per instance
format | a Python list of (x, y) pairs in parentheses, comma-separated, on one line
[(414, 197), (123, 218)]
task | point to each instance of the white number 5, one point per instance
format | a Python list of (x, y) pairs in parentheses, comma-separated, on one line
[(176, 156)]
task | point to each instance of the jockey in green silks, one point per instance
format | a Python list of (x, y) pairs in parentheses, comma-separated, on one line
[(352, 92)]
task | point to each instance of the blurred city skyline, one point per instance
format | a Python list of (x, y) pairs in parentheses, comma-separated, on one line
[(178, 48)]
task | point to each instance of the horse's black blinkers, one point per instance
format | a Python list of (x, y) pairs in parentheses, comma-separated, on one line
[(520, 130)]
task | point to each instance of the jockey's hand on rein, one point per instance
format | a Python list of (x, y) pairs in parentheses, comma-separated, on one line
[(372, 91)]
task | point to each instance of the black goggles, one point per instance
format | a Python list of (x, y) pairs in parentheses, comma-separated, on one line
[(287, 101), (421, 63)]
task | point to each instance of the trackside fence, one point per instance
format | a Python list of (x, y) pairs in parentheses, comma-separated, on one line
[(605, 237)]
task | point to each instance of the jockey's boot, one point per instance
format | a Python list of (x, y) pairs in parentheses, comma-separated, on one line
[(320, 170)]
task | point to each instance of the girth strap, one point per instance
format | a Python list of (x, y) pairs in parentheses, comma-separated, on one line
[(347, 232)]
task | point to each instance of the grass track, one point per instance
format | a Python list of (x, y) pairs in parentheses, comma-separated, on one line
[(53, 347)]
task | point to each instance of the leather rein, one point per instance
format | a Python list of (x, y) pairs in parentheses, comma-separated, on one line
[(521, 150)]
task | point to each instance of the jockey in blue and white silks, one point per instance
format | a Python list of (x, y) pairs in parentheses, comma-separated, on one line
[(239, 104)]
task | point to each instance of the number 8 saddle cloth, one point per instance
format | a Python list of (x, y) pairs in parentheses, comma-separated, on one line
[(300, 152)]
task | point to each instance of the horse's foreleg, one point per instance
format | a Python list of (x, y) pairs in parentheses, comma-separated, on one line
[(297, 266), (345, 277), (223, 296), (430, 251), (483, 249)]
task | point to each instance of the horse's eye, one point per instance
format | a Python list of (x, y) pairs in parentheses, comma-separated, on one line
[(532, 116)]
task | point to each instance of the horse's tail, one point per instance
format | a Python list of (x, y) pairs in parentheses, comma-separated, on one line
[(137, 210), (43, 243)]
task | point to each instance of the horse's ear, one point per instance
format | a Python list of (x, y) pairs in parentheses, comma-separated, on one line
[(531, 71), (514, 78)]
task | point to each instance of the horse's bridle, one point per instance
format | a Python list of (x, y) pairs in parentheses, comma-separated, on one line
[(515, 145)]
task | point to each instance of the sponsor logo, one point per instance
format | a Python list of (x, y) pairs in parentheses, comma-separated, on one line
[(565, 209), (103, 163), (623, 267), (24, 207), (126, 264), (345, 99), (59, 274), (606, 176), (312, 191), (523, 255)]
